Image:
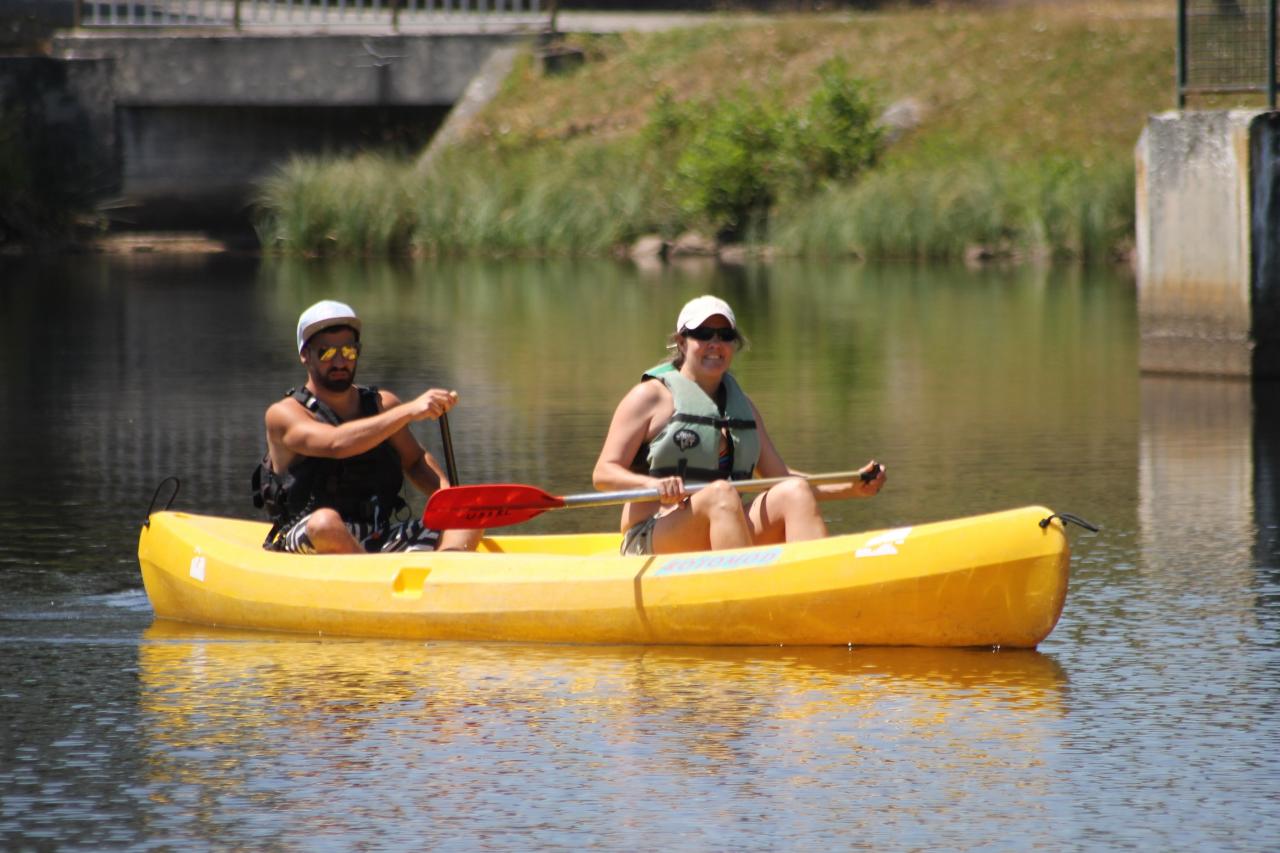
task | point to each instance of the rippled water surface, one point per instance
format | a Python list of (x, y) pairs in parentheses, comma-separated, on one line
[(1148, 718)]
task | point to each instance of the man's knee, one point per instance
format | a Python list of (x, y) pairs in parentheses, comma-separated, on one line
[(460, 540), (324, 521), (326, 530)]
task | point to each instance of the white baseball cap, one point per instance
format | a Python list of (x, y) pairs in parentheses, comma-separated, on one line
[(323, 315), (696, 311)]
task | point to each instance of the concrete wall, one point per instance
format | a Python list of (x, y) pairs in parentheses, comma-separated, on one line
[(164, 69), (198, 167), (1193, 243), (1208, 243), (25, 24), (203, 117), (58, 151)]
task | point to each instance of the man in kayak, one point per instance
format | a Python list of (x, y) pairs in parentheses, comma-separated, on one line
[(688, 420), (338, 453)]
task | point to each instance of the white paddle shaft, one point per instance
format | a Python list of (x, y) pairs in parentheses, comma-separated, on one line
[(611, 498)]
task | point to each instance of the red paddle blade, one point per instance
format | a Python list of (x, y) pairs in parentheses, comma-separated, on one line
[(486, 505)]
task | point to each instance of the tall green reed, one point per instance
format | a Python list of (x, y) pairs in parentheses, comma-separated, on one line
[(357, 205), (1054, 208)]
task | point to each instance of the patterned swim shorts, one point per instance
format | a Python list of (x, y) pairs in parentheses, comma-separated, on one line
[(409, 535)]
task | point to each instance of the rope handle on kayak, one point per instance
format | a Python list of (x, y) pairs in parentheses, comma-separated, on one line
[(1068, 518), (177, 484)]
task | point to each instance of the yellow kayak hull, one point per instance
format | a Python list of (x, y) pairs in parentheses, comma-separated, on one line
[(991, 580)]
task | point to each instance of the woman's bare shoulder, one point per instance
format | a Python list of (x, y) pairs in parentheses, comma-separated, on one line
[(647, 394)]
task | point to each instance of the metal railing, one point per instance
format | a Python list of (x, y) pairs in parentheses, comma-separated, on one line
[(1226, 47), (311, 13)]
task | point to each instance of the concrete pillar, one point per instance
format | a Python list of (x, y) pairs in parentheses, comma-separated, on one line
[(1206, 243), (1208, 253), (58, 141)]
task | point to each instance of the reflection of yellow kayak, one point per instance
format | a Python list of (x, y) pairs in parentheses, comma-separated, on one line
[(183, 663), (227, 711), (990, 580)]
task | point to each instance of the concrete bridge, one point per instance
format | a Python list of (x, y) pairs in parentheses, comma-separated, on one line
[(244, 14), (195, 100)]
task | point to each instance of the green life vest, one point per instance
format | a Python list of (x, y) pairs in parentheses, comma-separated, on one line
[(688, 445)]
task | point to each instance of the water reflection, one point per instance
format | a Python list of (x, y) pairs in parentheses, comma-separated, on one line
[(1266, 503), (1205, 591), (1266, 475), (981, 390), (1209, 452), (1196, 467), (289, 726)]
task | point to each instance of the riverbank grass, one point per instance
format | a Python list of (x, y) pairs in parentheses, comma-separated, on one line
[(1019, 141)]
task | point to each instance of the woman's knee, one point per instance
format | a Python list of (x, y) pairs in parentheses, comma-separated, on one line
[(719, 497), (793, 494)]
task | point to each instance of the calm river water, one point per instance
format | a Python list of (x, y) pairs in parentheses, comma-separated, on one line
[(1149, 719)]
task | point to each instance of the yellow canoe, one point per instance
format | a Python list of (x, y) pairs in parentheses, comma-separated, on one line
[(991, 580)]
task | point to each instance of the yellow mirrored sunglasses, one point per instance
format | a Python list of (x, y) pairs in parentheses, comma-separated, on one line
[(349, 351)]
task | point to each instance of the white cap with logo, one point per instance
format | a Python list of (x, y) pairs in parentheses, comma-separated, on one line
[(325, 314), (697, 311)]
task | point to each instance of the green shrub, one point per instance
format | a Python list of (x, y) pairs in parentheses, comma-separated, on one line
[(729, 173), (668, 122), (837, 137), (748, 152)]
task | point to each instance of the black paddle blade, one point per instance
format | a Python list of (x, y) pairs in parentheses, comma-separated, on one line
[(486, 505)]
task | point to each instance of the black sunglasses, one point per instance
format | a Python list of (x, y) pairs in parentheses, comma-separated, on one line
[(706, 333)]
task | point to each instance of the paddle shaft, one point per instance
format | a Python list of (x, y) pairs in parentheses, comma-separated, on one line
[(613, 498), (450, 467), (500, 504)]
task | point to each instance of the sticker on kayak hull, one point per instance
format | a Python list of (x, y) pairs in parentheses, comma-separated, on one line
[(197, 566), (884, 544), (718, 562)]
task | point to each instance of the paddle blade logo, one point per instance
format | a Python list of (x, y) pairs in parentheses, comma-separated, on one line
[(685, 439), (493, 505)]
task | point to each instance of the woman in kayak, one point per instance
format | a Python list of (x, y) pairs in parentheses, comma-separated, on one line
[(689, 421)]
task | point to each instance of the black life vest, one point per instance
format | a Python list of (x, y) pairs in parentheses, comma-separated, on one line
[(363, 488)]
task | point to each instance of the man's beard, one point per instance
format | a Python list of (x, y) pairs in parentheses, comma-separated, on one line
[(336, 385)]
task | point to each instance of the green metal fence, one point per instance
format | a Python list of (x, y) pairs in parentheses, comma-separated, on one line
[(1226, 47)]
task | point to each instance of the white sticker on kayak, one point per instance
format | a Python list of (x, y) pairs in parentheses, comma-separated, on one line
[(197, 566), (719, 562), (884, 544)]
